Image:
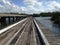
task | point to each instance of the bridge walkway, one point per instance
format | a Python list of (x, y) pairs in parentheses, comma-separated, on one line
[(28, 32)]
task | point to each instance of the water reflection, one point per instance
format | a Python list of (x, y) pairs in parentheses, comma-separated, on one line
[(49, 24)]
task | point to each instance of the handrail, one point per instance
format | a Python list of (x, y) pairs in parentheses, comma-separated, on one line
[(5, 29), (41, 33)]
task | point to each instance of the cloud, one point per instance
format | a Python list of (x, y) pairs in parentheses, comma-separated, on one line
[(34, 6), (31, 6), (53, 6), (30, 2), (8, 7)]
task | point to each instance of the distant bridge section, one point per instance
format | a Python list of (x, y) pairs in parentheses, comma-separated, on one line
[(4, 15), (15, 17)]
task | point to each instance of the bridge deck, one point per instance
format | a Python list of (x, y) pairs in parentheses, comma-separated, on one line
[(28, 32), (21, 33)]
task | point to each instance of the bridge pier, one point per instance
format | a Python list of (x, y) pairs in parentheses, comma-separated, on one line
[(17, 18), (3, 19), (9, 18), (0, 19), (14, 19)]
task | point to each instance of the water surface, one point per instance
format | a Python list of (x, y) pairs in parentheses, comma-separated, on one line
[(49, 24)]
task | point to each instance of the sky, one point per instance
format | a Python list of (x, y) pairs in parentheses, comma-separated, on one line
[(29, 6)]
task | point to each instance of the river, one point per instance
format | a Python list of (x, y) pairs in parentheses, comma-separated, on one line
[(47, 23)]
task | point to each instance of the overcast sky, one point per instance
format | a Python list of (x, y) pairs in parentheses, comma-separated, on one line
[(29, 6)]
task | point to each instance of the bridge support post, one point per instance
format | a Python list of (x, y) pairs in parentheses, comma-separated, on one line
[(9, 19), (0, 19), (17, 18), (14, 19), (3, 19)]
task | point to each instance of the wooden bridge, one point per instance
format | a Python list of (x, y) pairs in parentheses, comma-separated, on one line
[(28, 31), (15, 17)]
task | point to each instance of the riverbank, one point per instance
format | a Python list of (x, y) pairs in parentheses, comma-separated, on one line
[(56, 19)]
